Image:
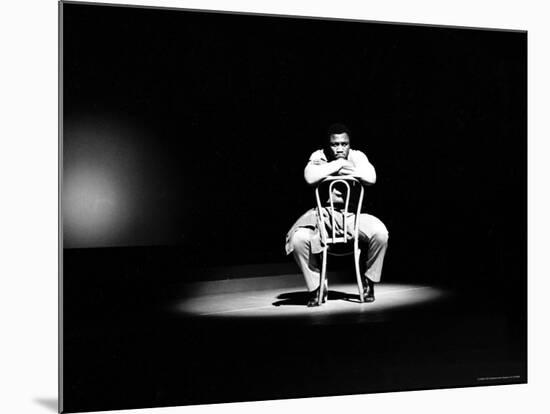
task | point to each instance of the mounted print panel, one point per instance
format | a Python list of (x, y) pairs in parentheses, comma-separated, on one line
[(198, 264)]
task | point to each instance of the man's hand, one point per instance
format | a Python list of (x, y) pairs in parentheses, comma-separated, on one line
[(347, 171), (360, 169), (314, 173), (346, 167)]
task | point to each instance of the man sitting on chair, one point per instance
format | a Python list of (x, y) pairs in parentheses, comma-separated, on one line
[(303, 238)]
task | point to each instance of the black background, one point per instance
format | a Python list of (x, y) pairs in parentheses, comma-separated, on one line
[(233, 106)]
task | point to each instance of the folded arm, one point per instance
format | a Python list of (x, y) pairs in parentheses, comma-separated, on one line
[(361, 169), (314, 172)]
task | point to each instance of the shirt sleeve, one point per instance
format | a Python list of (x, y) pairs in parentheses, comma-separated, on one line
[(359, 159), (317, 158)]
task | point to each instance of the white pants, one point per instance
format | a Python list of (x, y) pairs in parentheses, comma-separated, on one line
[(373, 241)]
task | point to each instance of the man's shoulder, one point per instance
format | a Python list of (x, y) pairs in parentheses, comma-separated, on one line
[(356, 154), (353, 152), (318, 157)]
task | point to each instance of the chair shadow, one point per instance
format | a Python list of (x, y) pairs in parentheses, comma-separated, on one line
[(49, 403), (301, 298)]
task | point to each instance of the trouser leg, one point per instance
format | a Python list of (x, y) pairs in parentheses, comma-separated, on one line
[(373, 237), (307, 262)]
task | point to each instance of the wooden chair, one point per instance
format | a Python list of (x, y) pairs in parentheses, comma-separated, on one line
[(330, 241)]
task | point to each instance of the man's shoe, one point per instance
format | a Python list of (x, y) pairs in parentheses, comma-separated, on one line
[(368, 291), (314, 297)]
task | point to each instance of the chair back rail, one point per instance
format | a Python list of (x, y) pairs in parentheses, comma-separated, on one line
[(333, 180), (331, 241)]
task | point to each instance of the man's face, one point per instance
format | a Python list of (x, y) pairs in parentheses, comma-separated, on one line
[(339, 145)]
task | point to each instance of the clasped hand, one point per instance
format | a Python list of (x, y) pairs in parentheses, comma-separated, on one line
[(346, 167)]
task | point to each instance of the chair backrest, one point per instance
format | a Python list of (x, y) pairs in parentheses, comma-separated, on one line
[(345, 181)]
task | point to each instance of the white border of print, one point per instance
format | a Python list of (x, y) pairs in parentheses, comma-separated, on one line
[(28, 179)]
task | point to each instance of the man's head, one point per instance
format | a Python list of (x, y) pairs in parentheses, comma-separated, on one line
[(338, 141)]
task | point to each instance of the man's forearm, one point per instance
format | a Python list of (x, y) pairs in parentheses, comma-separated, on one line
[(315, 173), (366, 174)]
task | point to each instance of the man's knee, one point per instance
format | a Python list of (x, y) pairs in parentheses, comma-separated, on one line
[(381, 235), (379, 232), (373, 229), (301, 238)]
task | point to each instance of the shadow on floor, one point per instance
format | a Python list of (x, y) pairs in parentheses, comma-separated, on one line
[(301, 298)]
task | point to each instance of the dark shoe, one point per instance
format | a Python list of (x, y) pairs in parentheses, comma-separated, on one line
[(368, 291), (314, 297)]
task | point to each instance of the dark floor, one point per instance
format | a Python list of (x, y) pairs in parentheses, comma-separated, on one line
[(132, 345)]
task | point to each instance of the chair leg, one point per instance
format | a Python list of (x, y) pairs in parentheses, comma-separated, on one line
[(323, 276), (356, 255)]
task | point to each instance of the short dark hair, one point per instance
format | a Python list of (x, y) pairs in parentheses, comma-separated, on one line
[(337, 129)]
